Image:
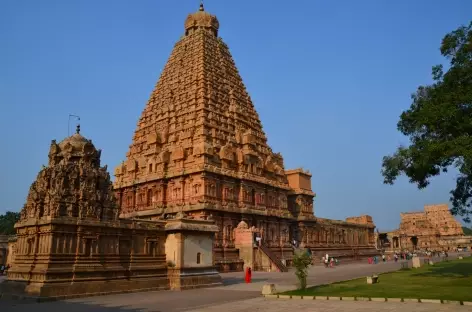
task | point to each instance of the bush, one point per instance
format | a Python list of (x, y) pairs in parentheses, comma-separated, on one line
[(301, 261)]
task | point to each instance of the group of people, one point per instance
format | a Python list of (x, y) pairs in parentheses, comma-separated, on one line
[(406, 255), (4, 269), (375, 259), (329, 262)]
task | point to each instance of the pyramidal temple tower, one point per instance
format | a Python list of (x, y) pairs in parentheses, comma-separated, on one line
[(199, 148), (200, 126)]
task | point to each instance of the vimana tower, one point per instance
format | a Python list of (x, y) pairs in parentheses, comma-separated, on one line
[(199, 148)]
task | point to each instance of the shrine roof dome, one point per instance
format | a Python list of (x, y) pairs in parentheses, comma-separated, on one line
[(77, 141), (201, 19)]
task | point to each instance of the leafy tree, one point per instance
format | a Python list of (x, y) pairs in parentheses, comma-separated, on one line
[(301, 261), (439, 125), (7, 222), (467, 231)]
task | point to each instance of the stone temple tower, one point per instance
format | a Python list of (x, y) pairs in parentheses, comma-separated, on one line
[(73, 184), (199, 148), (70, 240)]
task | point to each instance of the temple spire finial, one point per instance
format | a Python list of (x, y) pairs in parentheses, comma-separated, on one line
[(201, 6)]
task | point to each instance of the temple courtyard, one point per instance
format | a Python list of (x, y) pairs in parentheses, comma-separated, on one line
[(235, 295)]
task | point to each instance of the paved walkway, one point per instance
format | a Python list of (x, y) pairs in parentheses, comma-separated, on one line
[(271, 305), (234, 296)]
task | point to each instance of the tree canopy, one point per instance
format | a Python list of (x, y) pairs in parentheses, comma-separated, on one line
[(467, 231), (7, 222), (439, 125)]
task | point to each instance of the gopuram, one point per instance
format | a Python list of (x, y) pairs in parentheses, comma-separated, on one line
[(71, 242), (432, 229), (199, 148)]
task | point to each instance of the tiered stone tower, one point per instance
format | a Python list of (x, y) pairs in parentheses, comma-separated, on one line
[(199, 147)]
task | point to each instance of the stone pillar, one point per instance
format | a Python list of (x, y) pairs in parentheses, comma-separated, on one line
[(245, 243), (189, 252)]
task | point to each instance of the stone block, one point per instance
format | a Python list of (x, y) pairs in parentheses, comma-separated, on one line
[(285, 297), (431, 262), (410, 300), (378, 299), (268, 289), (297, 297), (416, 262), (430, 300), (321, 298), (334, 298), (394, 299), (348, 298), (460, 258), (451, 302), (308, 298), (362, 299), (467, 303), (372, 279)]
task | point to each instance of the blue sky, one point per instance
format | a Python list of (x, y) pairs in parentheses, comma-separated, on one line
[(328, 78)]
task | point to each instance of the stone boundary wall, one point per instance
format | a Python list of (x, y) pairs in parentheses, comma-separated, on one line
[(411, 300)]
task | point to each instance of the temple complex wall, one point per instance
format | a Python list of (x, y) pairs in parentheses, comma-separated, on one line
[(276, 213), (64, 257)]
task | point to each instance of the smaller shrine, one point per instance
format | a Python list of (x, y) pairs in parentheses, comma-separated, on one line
[(71, 242)]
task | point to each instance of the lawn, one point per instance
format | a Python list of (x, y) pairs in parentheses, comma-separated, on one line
[(450, 280)]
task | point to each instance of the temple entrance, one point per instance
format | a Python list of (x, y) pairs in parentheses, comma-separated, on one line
[(384, 241), (414, 241), (396, 242)]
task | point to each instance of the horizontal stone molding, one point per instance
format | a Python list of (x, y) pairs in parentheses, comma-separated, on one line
[(376, 299)]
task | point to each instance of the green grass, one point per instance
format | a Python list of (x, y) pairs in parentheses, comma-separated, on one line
[(450, 280)]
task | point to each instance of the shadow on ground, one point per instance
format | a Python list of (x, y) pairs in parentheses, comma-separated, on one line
[(19, 306), (227, 281), (452, 270)]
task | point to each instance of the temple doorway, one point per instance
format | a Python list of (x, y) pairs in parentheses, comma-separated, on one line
[(414, 241), (396, 242)]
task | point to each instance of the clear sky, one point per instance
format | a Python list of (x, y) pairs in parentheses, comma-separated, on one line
[(328, 78)]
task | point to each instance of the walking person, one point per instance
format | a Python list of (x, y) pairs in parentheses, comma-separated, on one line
[(248, 275), (326, 260)]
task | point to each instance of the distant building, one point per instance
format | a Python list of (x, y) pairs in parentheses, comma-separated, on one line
[(433, 228)]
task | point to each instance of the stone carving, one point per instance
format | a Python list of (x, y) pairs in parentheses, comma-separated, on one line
[(243, 225), (73, 184)]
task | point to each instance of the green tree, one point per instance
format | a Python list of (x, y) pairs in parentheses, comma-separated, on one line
[(301, 261), (7, 222), (467, 231), (439, 125)]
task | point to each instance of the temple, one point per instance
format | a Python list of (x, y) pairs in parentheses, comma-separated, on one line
[(432, 229), (199, 148), (70, 241)]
